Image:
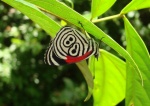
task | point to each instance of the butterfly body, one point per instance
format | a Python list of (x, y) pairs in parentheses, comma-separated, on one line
[(70, 46)]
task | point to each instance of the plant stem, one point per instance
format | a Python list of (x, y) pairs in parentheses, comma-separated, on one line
[(107, 18)]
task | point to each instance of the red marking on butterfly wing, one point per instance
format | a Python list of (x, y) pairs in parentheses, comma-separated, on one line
[(71, 59)]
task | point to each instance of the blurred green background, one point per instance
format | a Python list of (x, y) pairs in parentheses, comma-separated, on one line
[(24, 78)]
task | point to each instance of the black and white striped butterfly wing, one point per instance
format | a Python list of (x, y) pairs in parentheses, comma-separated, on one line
[(69, 46)]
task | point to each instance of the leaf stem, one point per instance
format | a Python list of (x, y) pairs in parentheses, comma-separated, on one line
[(107, 18)]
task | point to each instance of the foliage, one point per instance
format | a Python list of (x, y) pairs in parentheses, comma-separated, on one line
[(26, 80)]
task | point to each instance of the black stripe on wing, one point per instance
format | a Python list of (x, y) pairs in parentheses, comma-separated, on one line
[(46, 55), (60, 35), (83, 40), (52, 59), (57, 59)]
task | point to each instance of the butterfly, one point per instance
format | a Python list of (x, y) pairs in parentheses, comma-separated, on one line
[(70, 46)]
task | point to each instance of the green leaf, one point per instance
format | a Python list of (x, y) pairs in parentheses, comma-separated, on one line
[(62, 11), (136, 5), (50, 26), (135, 93), (100, 6), (137, 49), (87, 75), (109, 82)]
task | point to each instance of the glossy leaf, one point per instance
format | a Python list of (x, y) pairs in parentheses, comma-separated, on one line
[(100, 6), (136, 5), (137, 94), (110, 79)]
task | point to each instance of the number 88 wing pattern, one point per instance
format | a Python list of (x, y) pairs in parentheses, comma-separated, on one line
[(70, 46)]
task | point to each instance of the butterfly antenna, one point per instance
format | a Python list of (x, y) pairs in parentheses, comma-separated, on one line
[(81, 24), (87, 36), (100, 41)]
